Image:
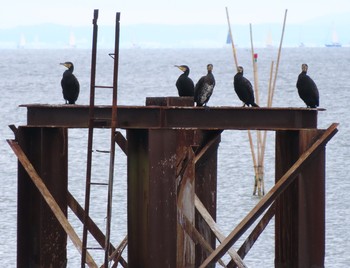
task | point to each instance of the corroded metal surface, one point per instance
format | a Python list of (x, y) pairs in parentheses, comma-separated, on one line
[(169, 146), (151, 117), (300, 210), (281, 187), (41, 239)]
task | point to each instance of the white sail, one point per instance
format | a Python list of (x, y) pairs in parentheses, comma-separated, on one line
[(22, 41), (72, 42)]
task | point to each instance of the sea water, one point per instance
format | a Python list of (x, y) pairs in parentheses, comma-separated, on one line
[(33, 76)]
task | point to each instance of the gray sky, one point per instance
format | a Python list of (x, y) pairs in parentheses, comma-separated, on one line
[(79, 12)]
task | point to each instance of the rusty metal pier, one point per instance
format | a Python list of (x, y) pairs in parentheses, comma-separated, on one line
[(172, 155), (172, 162)]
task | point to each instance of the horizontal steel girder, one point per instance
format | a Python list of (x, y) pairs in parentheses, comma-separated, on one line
[(156, 117)]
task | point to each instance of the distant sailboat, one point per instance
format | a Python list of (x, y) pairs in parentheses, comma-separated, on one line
[(22, 42), (301, 38), (335, 42), (269, 42), (72, 43)]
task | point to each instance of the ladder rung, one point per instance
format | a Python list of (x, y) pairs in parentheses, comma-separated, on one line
[(103, 86), (103, 151), (92, 248), (98, 183)]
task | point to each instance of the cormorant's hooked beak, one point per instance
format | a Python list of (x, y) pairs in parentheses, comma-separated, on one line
[(65, 64), (180, 67)]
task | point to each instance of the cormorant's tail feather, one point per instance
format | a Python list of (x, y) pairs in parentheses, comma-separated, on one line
[(255, 105)]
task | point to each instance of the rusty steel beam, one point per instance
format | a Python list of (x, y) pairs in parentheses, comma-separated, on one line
[(170, 101), (155, 117), (275, 192), (152, 213), (206, 184), (41, 240), (44, 251), (312, 207), (286, 218), (300, 211)]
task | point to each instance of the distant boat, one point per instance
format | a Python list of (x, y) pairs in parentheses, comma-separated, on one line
[(268, 42), (335, 42), (72, 43), (22, 42)]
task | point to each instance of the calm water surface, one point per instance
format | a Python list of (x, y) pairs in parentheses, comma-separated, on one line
[(33, 76)]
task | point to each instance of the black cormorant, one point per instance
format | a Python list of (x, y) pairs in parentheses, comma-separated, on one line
[(204, 87), (307, 88), (70, 84), (185, 84), (244, 88)]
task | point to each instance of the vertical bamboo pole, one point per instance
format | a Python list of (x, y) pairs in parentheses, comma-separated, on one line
[(254, 161), (233, 44), (255, 67), (261, 153), (278, 56), (272, 88), (269, 104), (249, 133), (257, 165), (269, 99)]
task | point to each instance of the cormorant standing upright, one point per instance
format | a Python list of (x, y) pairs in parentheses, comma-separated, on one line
[(70, 84), (184, 84), (204, 87), (244, 88), (307, 88)]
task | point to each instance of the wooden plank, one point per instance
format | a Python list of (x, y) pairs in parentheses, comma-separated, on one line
[(271, 196), (216, 230), (195, 235), (185, 256), (117, 253), (49, 199), (208, 145), (92, 227), (254, 235), (14, 129), (121, 141)]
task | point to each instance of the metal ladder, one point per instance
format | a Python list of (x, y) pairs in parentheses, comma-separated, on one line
[(93, 122)]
